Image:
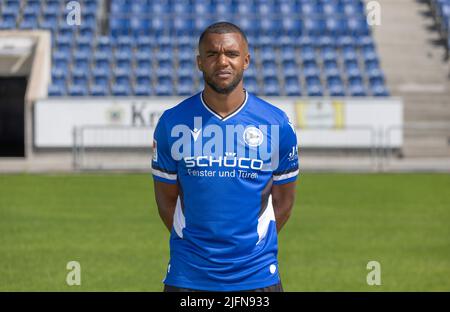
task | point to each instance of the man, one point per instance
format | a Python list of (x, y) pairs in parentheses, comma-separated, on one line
[(224, 165)]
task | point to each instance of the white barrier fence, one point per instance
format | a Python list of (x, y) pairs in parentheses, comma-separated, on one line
[(130, 148)]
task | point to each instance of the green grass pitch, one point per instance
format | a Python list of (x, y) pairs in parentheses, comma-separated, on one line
[(110, 225)]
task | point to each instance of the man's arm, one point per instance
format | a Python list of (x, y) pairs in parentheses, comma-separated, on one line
[(283, 196), (166, 196)]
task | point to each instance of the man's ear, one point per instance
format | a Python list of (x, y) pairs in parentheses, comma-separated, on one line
[(247, 61), (199, 63)]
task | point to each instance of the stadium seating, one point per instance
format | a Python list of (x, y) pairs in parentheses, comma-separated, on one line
[(441, 12), (147, 47)]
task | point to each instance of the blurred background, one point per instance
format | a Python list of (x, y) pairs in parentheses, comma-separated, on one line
[(366, 83)]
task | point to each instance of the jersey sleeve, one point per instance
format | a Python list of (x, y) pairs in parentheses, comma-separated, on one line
[(288, 168), (164, 167)]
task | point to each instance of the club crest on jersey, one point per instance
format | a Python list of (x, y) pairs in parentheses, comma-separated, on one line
[(253, 136)]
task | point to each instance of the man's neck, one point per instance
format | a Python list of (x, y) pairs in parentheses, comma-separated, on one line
[(224, 104)]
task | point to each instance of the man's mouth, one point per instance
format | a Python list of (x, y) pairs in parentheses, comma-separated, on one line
[(223, 74)]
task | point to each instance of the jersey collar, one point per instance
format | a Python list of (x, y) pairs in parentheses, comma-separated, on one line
[(234, 113)]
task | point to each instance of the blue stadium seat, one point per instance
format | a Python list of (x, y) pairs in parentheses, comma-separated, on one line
[(90, 5), (288, 53), (182, 26), (77, 90), (307, 53), (269, 69), (291, 26), (336, 90), (306, 42), (251, 85), (145, 44), (165, 53), (328, 54), (100, 76), (314, 89), (143, 80), (290, 69), (335, 26), (59, 77), (86, 30), (349, 54), (271, 87), (250, 72), (99, 90), (345, 42), (123, 61), (60, 61), (357, 90), (32, 6), (310, 8), (164, 87), (103, 44), (186, 53), (29, 24), (332, 8), (121, 90), (8, 20), (326, 42), (102, 59), (186, 68), (143, 61), (314, 26), (119, 26), (81, 62), (357, 26), (292, 87), (331, 68), (310, 69), (379, 90), (142, 90), (79, 77), (122, 77), (269, 26), (143, 72), (165, 69), (184, 87), (56, 90), (288, 7), (11, 6)]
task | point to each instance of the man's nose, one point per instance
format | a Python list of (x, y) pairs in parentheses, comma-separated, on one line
[(222, 60)]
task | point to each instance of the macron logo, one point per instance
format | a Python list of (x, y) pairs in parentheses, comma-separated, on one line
[(195, 133)]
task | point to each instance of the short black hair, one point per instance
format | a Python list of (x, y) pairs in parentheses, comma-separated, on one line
[(222, 28)]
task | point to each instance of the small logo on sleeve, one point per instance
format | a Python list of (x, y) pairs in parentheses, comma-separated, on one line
[(293, 155)]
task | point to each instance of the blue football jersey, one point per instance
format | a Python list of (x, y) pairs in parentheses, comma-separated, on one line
[(224, 234)]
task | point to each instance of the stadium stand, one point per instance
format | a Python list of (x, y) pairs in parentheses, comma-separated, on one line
[(441, 12), (298, 47)]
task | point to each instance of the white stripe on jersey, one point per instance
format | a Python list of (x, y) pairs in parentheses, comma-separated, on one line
[(164, 175), (285, 176)]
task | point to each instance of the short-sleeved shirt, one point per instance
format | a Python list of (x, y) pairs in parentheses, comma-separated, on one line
[(224, 234)]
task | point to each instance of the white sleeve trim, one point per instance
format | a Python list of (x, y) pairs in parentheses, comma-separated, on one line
[(164, 175), (286, 176)]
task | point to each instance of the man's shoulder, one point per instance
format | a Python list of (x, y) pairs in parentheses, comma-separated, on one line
[(180, 111), (268, 110)]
